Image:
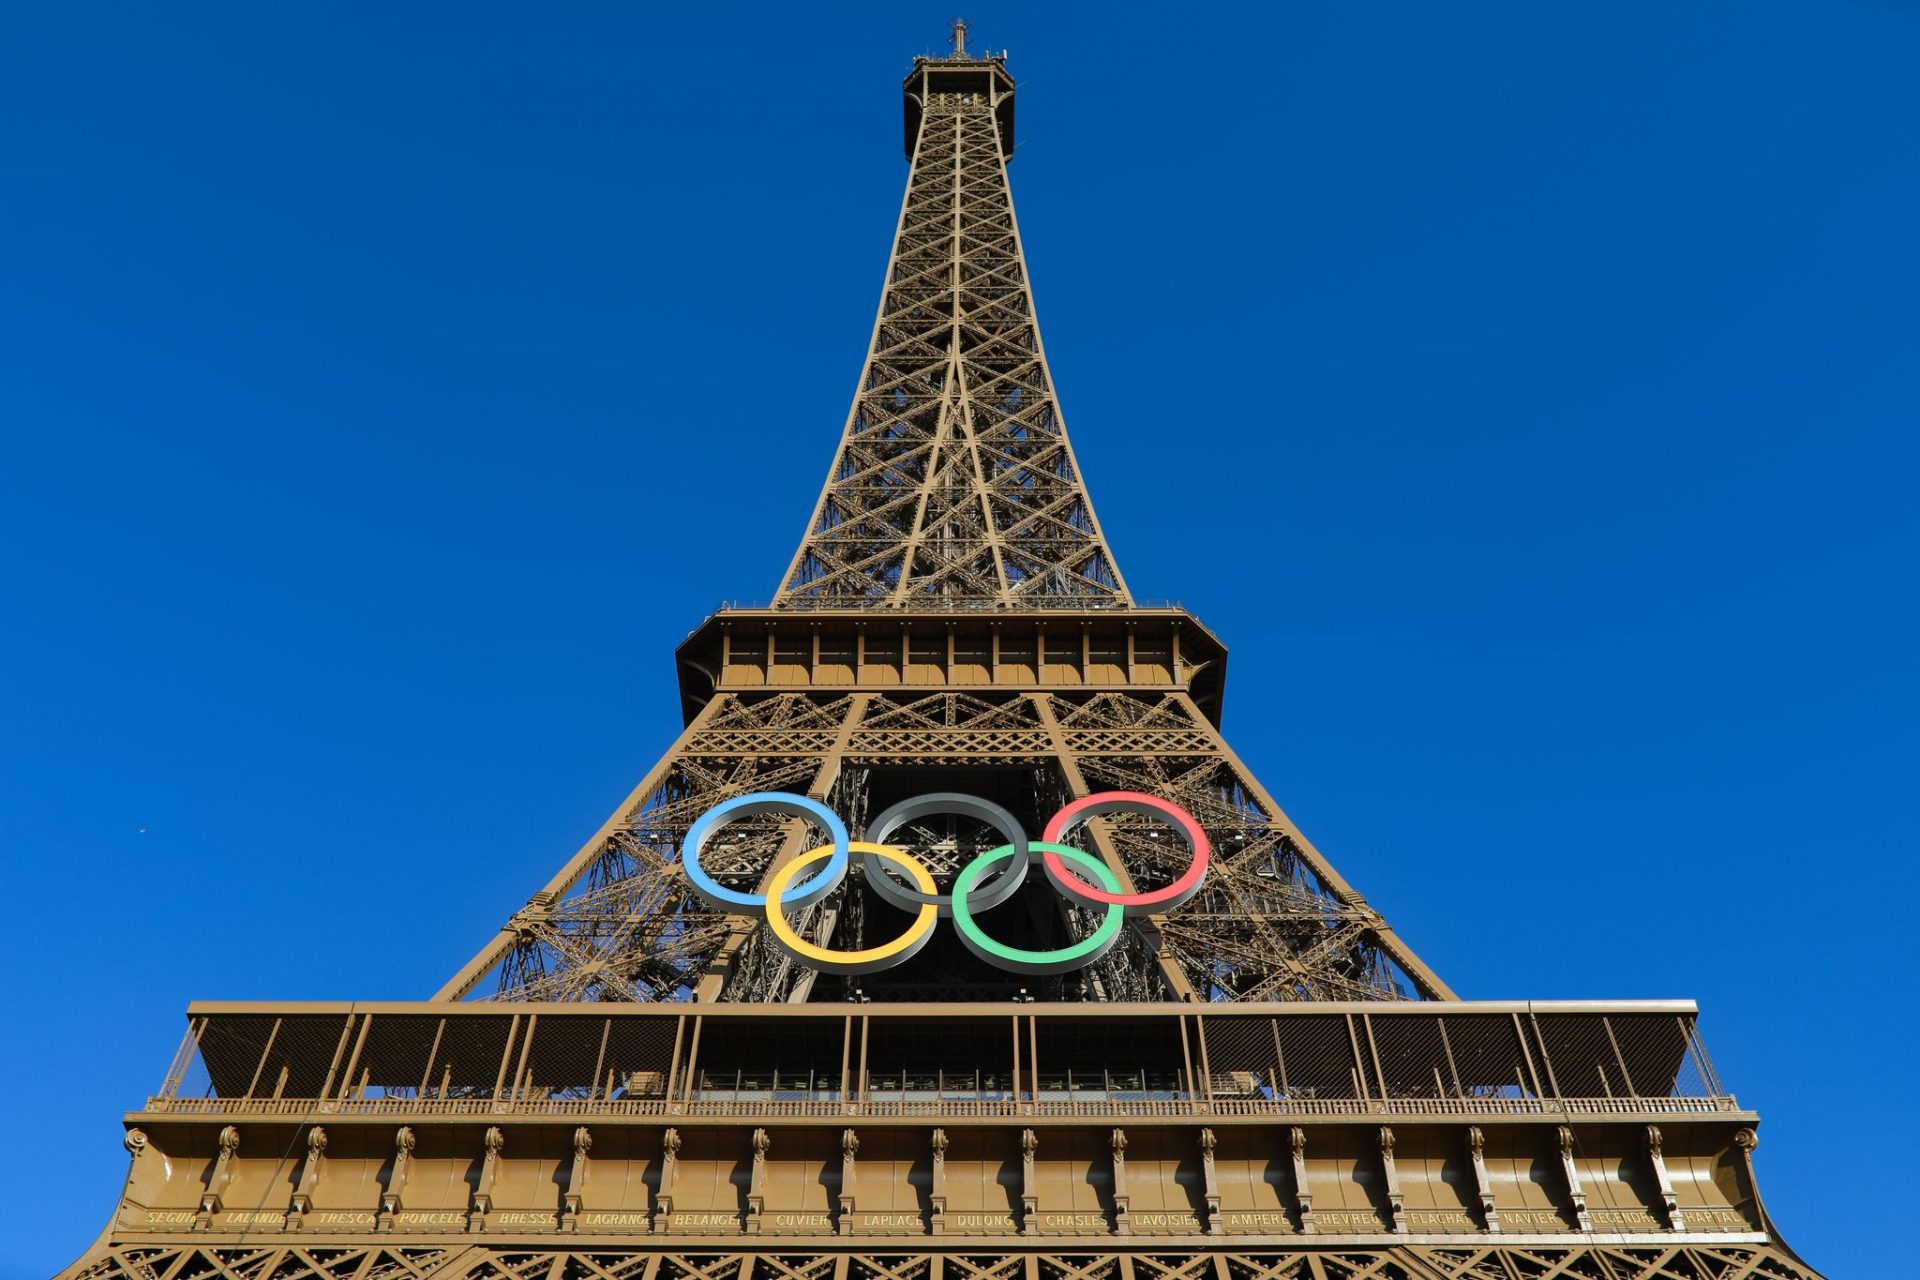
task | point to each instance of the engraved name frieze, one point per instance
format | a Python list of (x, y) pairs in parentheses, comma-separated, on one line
[(538, 1221), (890, 1223), (705, 1222), (988, 1222), (1272, 1222), (1337, 1220), (170, 1217)]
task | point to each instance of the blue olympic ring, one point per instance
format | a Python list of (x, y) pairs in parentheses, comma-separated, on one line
[(807, 892)]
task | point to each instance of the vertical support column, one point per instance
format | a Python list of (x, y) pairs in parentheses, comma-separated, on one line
[(1122, 1202), (1029, 1184), (493, 1143), (392, 1200), (1297, 1139), (1482, 1184), (937, 1193), (1210, 1182), (849, 1153), (669, 1165), (1396, 1202), (1668, 1202), (757, 1181), (1745, 1139), (309, 1178), (577, 1172), (1575, 1195), (222, 1177)]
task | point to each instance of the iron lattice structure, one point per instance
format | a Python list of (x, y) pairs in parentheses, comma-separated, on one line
[(1264, 1083), (954, 484), (960, 607)]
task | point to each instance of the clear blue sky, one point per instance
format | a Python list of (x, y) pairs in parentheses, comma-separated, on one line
[(1526, 393)]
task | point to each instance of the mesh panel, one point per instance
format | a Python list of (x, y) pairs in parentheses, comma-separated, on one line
[(231, 1048), (469, 1058), (1658, 1060), (1580, 1055), (397, 1056), (563, 1058), (1316, 1058), (1412, 1057), (301, 1055), (639, 1058), (1488, 1055), (1241, 1057)]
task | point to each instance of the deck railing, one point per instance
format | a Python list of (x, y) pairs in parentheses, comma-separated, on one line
[(1414, 1059)]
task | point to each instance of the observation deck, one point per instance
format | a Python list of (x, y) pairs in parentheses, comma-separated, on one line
[(1367, 1120)]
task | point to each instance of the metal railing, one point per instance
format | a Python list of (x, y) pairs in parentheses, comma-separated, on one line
[(1417, 1060)]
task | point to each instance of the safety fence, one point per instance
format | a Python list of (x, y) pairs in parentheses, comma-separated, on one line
[(1460, 1060)]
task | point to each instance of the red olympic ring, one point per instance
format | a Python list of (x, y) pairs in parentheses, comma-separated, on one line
[(1134, 904)]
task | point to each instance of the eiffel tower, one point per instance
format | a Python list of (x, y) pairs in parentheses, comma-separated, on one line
[(1161, 1039)]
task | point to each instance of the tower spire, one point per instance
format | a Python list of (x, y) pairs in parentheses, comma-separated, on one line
[(954, 485), (958, 28)]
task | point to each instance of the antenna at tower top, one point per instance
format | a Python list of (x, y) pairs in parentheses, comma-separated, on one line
[(959, 30)]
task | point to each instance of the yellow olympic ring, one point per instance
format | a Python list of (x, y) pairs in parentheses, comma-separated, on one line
[(872, 959)]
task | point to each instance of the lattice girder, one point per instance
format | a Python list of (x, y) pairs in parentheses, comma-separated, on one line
[(954, 482)]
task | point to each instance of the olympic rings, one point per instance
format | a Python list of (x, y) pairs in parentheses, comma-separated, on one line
[(984, 883), (1061, 959), (996, 891), (721, 898), (1135, 904), (873, 959)]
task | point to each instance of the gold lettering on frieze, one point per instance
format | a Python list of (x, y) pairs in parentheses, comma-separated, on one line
[(796, 1221), (417, 1218), (1073, 1221), (980, 1221), (705, 1222), (1440, 1220), (1536, 1219), (1333, 1221), (1164, 1221), (170, 1217), (1263, 1223), (890, 1222), (604, 1219), (341, 1220), (1630, 1218), (254, 1218), (1730, 1219), (543, 1221)]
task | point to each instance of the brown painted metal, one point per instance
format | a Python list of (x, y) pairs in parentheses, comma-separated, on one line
[(1263, 1084)]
